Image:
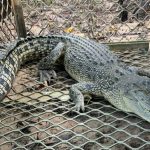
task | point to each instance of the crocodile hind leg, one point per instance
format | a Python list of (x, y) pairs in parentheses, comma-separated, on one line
[(46, 65), (76, 95)]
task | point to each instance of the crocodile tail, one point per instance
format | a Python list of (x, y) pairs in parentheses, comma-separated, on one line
[(9, 68)]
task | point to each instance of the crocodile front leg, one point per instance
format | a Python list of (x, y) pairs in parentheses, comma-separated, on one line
[(45, 66), (76, 95)]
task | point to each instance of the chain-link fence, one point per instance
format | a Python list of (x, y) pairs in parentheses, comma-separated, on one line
[(104, 20), (7, 25), (35, 116)]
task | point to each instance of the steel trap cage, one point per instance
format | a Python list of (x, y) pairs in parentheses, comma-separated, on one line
[(35, 116)]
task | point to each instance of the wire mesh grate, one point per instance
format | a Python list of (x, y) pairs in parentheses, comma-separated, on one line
[(42, 117)]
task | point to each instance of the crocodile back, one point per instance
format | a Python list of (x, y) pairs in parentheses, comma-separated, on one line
[(88, 61)]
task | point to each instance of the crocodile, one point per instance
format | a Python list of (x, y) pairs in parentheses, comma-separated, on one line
[(93, 65)]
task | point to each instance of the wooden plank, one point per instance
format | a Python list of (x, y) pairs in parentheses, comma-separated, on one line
[(19, 19), (133, 44)]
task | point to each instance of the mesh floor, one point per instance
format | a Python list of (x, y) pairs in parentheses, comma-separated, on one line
[(37, 116)]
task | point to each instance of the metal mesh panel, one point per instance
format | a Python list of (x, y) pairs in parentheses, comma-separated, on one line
[(7, 26), (36, 116), (104, 20)]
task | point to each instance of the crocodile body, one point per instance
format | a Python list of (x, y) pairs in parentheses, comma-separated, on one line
[(97, 70)]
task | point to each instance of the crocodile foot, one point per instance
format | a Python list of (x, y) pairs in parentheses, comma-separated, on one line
[(47, 75)]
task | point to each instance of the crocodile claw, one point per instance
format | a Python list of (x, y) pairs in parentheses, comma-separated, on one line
[(80, 106), (47, 75), (78, 100)]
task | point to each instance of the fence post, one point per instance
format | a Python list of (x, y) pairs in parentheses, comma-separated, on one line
[(19, 19)]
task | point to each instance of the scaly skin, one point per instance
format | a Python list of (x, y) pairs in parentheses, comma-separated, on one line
[(92, 64)]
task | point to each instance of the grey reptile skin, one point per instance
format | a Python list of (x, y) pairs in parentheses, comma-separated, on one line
[(97, 70)]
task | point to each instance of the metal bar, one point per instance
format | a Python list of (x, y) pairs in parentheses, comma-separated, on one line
[(19, 19)]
